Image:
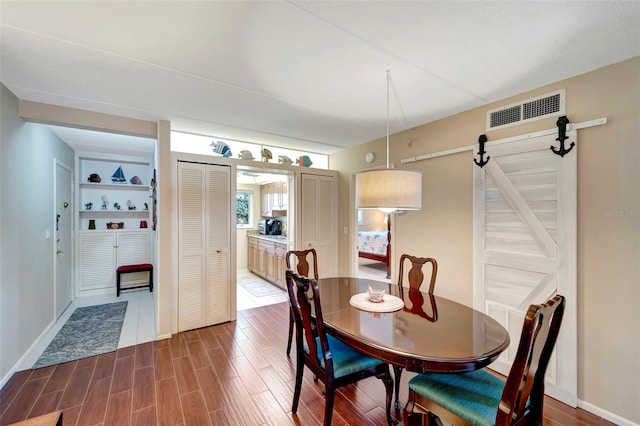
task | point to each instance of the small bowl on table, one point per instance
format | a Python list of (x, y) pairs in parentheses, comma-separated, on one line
[(376, 295)]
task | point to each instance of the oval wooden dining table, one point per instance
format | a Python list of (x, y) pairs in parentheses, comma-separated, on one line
[(429, 334)]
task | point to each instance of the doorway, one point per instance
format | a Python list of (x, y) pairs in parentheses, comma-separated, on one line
[(262, 194), (63, 237)]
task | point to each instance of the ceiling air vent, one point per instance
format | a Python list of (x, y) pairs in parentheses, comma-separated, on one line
[(548, 105)]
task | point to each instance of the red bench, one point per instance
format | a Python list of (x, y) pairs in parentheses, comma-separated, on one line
[(142, 267)]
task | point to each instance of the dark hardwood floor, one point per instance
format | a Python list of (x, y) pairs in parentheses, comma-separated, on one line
[(230, 374)]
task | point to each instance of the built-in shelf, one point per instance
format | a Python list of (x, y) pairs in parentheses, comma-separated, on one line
[(101, 185), (115, 212)]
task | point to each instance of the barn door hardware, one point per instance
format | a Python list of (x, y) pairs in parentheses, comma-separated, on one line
[(562, 131), (481, 140)]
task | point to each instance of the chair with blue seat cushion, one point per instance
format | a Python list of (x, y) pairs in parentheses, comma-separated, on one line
[(415, 276), (480, 398), (303, 268), (332, 361)]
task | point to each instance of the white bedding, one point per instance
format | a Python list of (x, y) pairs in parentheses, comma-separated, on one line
[(373, 242)]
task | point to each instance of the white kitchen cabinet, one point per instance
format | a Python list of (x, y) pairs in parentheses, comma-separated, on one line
[(204, 238), (101, 252)]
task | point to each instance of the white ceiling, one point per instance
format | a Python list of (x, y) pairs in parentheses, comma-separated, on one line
[(302, 75)]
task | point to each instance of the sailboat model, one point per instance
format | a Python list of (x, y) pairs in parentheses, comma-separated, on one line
[(118, 176)]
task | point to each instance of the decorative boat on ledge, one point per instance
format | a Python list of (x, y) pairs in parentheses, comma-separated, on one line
[(118, 176)]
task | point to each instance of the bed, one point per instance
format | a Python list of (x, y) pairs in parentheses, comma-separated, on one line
[(376, 245)]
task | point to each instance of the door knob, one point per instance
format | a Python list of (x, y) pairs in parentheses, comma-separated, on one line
[(218, 251), (59, 251)]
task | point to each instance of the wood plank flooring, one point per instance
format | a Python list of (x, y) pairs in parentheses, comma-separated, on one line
[(229, 374)]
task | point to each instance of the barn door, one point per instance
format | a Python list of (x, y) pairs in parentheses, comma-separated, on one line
[(525, 246)]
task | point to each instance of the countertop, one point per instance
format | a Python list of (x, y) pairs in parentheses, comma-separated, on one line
[(275, 238)]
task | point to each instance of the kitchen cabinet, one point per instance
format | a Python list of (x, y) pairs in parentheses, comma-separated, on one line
[(101, 252), (266, 259), (273, 196)]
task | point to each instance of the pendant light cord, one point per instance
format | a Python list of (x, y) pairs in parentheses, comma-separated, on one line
[(388, 77)]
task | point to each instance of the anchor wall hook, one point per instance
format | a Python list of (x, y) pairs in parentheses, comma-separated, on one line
[(562, 131), (481, 140)]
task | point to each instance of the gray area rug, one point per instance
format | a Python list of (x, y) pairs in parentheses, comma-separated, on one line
[(258, 287), (89, 331)]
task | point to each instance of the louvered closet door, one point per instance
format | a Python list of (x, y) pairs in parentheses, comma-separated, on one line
[(525, 245), (218, 231), (191, 246), (204, 238), (319, 221), (96, 260)]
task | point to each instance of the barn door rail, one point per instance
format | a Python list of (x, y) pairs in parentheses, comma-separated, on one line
[(570, 127)]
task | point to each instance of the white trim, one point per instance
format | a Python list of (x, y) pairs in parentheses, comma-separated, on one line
[(570, 126), (607, 415), (26, 354)]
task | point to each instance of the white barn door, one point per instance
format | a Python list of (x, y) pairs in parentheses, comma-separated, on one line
[(525, 246)]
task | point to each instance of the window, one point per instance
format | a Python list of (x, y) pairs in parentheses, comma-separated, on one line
[(244, 201)]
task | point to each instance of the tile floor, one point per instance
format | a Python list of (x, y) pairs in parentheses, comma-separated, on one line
[(139, 324), (246, 300)]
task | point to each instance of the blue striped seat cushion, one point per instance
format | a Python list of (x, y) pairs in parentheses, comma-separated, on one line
[(473, 396), (346, 360)]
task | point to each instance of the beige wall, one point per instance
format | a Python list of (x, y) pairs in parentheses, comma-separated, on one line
[(608, 219)]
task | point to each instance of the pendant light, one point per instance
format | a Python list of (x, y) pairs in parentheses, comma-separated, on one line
[(389, 189)]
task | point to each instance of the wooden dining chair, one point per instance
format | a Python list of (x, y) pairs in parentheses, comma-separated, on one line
[(333, 362), (302, 267), (415, 277), (481, 398)]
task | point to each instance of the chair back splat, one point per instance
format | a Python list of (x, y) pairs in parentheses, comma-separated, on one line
[(332, 361), (302, 263), (415, 274), (481, 398)]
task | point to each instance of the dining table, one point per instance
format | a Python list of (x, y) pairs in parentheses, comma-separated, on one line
[(427, 334)]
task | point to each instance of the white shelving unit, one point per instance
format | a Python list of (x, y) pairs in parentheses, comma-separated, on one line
[(102, 250), (90, 200)]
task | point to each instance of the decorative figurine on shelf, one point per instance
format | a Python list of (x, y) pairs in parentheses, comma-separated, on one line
[(135, 180), (92, 224), (88, 206), (304, 161), (146, 206), (221, 148), (266, 155), (283, 159), (94, 178), (105, 202), (245, 154), (117, 206), (118, 176), (130, 205)]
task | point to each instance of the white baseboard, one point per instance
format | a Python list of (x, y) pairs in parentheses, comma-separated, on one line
[(614, 418), (163, 336), (24, 356)]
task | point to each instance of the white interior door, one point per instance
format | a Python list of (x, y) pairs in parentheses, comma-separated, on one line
[(63, 238), (204, 238), (318, 220), (525, 246)]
